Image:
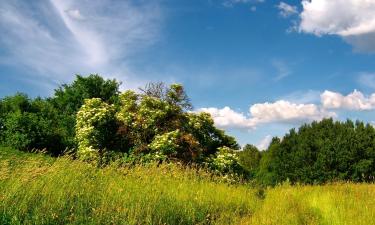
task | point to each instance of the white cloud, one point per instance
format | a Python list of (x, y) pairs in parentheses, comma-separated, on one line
[(57, 39), (353, 20), (286, 10), (228, 118), (278, 112), (353, 101), (264, 143), (292, 111), (284, 111)]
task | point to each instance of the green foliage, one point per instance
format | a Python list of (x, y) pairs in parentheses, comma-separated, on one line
[(320, 152), (249, 159), (156, 122), (226, 161), (30, 124), (91, 115), (95, 128), (167, 143), (201, 126), (174, 94), (50, 123), (68, 99)]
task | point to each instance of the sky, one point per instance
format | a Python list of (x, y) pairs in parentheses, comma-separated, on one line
[(260, 67)]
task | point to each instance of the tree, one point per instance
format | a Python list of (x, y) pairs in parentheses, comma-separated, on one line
[(68, 99), (174, 94), (249, 158), (320, 152), (30, 124)]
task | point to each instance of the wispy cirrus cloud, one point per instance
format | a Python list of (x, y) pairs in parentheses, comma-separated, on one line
[(56, 39)]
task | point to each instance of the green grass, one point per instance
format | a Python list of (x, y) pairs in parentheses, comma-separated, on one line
[(37, 189)]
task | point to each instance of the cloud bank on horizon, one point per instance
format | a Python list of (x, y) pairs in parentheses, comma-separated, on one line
[(283, 111)]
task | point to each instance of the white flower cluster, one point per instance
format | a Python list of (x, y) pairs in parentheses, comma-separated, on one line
[(225, 160), (92, 113), (166, 143)]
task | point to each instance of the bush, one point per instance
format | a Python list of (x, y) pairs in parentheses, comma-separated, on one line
[(226, 161), (95, 128)]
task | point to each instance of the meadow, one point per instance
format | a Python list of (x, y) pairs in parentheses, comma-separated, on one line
[(38, 189)]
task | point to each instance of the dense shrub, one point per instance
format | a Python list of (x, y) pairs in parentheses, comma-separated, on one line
[(95, 129)]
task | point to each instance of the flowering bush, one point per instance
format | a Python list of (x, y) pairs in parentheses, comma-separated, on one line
[(167, 143), (225, 161), (154, 125), (95, 128)]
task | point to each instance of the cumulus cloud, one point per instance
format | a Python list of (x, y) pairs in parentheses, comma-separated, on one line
[(292, 111), (59, 38), (284, 111), (286, 10), (353, 20), (228, 118), (353, 101), (278, 112)]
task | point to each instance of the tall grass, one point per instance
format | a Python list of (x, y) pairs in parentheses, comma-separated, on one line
[(36, 189), (343, 203)]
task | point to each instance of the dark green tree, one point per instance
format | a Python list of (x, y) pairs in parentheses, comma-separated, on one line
[(70, 97), (250, 158)]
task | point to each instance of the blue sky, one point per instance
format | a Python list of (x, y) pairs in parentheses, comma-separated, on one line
[(260, 67)]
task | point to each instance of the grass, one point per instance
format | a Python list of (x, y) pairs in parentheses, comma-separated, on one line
[(37, 189)]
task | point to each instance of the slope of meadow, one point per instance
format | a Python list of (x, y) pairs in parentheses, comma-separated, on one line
[(36, 189)]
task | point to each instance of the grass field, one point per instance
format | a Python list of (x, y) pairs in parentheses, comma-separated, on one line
[(36, 189)]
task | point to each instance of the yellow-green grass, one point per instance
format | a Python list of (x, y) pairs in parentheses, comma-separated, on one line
[(36, 189), (39, 190), (340, 203)]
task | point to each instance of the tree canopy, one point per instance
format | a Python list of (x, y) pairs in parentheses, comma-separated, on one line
[(320, 152)]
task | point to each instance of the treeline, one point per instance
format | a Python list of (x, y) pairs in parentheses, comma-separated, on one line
[(96, 122), (321, 152)]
